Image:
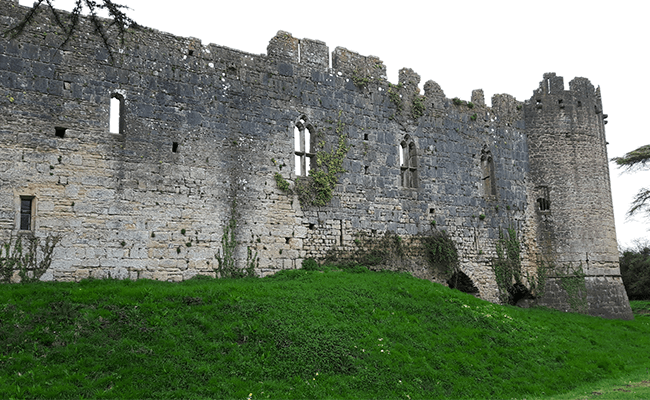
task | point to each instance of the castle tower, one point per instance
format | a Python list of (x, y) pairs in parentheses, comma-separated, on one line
[(571, 195)]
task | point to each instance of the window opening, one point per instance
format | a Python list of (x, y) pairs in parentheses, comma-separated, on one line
[(543, 201), (175, 147), (59, 132), (302, 147), (116, 121), (488, 178), (365, 136), (408, 163), (26, 213)]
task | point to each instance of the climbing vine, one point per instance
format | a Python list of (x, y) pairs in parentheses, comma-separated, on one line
[(573, 283), (317, 188), (417, 109), (226, 265), (371, 250), (360, 80), (441, 252), (26, 255), (282, 183), (394, 96), (507, 265)]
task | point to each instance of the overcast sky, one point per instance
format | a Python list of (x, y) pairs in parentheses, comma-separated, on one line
[(499, 46)]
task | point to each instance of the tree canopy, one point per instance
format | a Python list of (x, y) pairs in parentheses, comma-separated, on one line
[(637, 160), (69, 22)]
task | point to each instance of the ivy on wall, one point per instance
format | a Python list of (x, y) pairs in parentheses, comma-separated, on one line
[(226, 263), (28, 256), (317, 188), (508, 271), (573, 283)]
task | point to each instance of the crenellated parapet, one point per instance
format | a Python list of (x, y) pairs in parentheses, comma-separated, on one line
[(351, 63), (578, 109)]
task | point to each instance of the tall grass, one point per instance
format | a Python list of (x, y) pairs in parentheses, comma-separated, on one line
[(298, 334)]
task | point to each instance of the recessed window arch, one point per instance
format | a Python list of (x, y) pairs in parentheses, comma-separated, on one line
[(26, 221), (488, 178), (303, 153), (543, 199), (408, 161), (116, 114)]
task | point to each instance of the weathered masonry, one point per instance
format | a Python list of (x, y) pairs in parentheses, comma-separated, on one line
[(179, 155)]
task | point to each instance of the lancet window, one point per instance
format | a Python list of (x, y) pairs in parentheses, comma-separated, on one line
[(302, 147)]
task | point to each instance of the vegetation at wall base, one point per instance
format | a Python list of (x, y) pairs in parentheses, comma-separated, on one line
[(325, 332), (635, 272)]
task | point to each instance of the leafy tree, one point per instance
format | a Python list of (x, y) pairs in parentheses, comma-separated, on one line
[(69, 22), (637, 160), (635, 271)]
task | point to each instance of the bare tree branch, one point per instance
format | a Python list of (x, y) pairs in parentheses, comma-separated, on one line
[(640, 203), (70, 23)]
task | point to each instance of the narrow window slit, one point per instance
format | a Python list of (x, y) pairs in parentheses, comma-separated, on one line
[(175, 147), (302, 147), (26, 204), (116, 116), (59, 131)]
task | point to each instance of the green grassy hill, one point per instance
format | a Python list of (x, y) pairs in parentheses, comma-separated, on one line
[(299, 334)]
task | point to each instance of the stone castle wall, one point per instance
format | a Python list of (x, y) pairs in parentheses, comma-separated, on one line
[(205, 129)]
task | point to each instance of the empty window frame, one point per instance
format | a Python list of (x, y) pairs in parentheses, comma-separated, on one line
[(26, 213), (488, 178), (408, 163), (302, 147), (116, 120), (543, 199)]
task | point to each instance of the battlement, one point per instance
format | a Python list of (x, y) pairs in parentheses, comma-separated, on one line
[(552, 86)]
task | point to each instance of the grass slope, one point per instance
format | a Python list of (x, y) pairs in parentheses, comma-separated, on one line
[(298, 334)]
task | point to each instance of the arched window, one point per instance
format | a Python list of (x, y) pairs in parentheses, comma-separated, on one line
[(488, 179), (116, 116), (408, 163), (543, 201), (302, 147)]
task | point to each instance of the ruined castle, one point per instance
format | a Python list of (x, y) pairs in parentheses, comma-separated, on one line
[(178, 155)]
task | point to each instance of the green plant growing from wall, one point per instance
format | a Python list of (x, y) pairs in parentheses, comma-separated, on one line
[(226, 263), (573, 283), (360, 80), (418, 108), (282, 183), (441, 252), (371, 250), (507, 265), (537, 283), (317, 188), (394, 96), (28, 256)]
